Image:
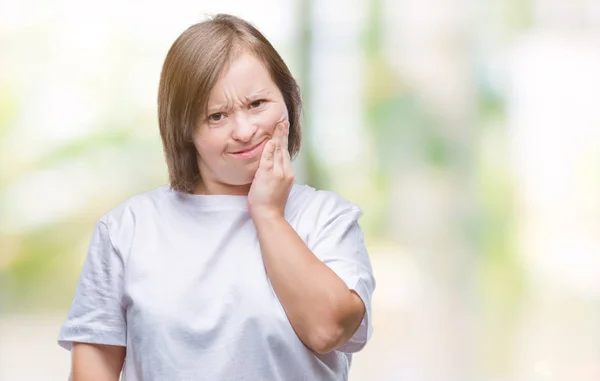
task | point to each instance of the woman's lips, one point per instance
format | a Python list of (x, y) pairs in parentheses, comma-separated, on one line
[(250, 152)]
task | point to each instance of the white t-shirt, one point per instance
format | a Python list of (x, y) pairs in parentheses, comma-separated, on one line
[(179, 280)]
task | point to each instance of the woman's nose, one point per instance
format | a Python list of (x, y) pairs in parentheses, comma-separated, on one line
[(243, 128)]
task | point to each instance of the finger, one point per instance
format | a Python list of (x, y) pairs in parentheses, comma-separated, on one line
[(278, 136), (283, 141), (285, 133), (278, 158), (267, 157), (279, 130), (287, 161)]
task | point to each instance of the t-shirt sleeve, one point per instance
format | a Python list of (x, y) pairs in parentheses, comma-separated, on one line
[(97, 314), (339, 244)]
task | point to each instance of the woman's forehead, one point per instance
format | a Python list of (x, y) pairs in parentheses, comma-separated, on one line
[(245, 70), (246, 78)]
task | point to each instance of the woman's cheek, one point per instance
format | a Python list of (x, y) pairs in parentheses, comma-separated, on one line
[(286, 114), (267, 119)]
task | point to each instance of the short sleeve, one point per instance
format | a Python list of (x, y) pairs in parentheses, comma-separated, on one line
[(340, 245), (97, 314)]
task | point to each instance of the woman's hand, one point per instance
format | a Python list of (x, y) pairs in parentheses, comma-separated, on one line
[(274, 178)]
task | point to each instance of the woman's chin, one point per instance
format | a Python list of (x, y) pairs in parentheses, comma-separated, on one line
[(250, 172), (243, 178)]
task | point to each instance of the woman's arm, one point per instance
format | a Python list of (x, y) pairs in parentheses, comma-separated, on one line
[(95, 362), (322, 310)]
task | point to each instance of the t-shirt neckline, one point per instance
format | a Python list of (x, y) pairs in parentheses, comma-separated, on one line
[(213, 201)]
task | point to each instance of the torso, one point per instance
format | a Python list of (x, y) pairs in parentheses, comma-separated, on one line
[(199, 304)]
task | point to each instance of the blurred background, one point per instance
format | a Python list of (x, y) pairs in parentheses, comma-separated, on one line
[(468, 132)]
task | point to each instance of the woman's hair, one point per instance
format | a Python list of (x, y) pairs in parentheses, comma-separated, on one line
[(190, 71)]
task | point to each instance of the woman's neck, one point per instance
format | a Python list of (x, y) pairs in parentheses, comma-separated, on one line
[(211, 188)]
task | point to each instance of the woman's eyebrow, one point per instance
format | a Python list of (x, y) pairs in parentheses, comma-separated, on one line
[(216, 107), (257, 94)]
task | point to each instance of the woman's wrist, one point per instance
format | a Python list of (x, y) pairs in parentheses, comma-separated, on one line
[(266, 217)]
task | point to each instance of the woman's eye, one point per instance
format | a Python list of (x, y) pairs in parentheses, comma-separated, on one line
[(257, 103), (216, 117)]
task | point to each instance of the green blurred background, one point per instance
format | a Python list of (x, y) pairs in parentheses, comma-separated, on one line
[(468, 132)]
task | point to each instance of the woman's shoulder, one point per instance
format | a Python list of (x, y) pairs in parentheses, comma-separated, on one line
[(136, 205)]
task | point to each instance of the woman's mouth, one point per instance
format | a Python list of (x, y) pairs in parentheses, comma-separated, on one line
[(250, 152)]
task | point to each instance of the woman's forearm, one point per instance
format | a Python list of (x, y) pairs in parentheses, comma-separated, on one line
[(94, 362), (322, 310)]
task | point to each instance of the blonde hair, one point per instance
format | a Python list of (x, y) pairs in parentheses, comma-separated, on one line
[(191, 69)]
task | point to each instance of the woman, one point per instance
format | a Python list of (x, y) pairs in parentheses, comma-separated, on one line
[(232, 272)]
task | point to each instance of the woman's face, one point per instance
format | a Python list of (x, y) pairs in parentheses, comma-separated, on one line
[(243, 109)]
